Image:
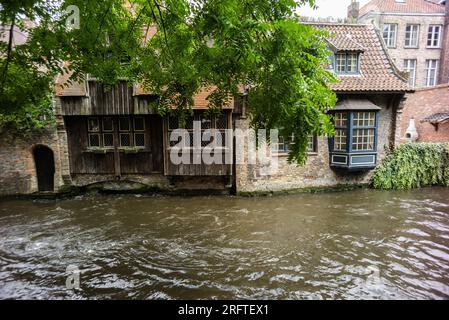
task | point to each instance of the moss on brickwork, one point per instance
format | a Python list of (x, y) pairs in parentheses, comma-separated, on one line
[(414, 165)]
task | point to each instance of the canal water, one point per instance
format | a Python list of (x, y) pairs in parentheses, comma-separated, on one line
[(350, 245)]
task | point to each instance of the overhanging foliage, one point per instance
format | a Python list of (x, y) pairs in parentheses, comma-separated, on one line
[(228, 45)]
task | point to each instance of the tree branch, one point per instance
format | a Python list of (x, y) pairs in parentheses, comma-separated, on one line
[(8, 54)]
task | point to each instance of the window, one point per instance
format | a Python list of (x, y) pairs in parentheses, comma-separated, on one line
[(93, 128), (341, 132), (431, 72), (411, 36), (410, 68), (364, 129), (130, 132), (312, 144), (389, 35), (347, 63), (434, 37), (218, 124), (354, 145), (283, 145)]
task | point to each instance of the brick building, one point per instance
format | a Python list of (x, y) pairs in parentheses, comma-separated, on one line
[(416, 33), (428, 111), (114, 140), (369, 87)]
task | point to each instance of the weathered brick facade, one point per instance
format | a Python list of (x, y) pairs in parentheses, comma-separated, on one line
[(317, 173), (423, 103), (17, 166)]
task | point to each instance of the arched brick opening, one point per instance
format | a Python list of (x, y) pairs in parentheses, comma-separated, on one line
[(44, 162)]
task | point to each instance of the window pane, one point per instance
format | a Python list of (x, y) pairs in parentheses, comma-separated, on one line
[(311, 146), (431, 72), (221, 122), (108, 124), (139, 124), (410, 68), (124, 124), (94, 140), (433, 36), (363, 139), (364, 119), (340, 63), (352, 63), (93, 125), (389, 35), (125, 140), (139, 139), (411, 35), (341, 119), (108, 139), (340, 140)]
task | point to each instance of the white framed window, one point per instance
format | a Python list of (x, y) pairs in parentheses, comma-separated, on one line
[(431, 72), (410, 68), (434, 36), (411, 35), (389, 32)]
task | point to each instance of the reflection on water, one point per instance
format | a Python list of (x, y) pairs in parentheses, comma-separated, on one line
[(362, 245)]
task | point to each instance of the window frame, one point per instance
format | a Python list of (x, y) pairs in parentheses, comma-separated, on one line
[(411, 45), (429, 69), (346, 63), (286, 149), (411, 81), (431, 36), (116, 130), (392, 34), (363, 127)]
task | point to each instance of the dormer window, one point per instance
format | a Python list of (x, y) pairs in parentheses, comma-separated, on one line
[(347, 63)]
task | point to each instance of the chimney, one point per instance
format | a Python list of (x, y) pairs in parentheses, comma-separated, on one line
[(353, 11), (443, 77)]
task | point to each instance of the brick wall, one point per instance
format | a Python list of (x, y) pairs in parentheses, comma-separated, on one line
[(17, 168), (421, 104)]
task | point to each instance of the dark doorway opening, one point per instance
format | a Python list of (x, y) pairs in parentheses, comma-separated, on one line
[(45, 168)]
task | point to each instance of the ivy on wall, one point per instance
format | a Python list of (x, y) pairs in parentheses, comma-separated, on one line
[(414, 165)]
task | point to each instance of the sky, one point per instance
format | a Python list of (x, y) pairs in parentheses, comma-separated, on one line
[(329, 8)]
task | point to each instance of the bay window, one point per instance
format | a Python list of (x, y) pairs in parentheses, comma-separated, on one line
[(354, 144)]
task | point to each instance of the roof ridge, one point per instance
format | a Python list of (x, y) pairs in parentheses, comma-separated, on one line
[(393, 66)]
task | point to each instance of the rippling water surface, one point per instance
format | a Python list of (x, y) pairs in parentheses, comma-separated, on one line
[(352, 245)]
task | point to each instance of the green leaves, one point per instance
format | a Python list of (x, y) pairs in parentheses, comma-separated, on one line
[(414, 165), (176, 48)]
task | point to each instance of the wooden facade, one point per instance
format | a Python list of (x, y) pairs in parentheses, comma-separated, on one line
[(114, 157), (114, 132)]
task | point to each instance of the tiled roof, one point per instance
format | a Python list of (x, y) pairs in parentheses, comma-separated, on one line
[(345, 42), (408, 6), (377, 71), (437, 117)]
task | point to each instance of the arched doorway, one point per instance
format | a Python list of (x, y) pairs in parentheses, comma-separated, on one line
[(45, 168)]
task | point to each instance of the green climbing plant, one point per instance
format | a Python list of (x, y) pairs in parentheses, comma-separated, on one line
[(414, 165)]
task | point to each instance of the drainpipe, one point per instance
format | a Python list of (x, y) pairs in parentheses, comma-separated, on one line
[(443, 77)]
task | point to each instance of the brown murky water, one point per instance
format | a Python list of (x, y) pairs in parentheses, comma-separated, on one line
[(361, 245)]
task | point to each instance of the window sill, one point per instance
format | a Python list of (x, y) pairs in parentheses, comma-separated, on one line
[(285, 155), (112, 150)]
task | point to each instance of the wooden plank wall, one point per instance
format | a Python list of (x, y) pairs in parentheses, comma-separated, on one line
[(146, 162)]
